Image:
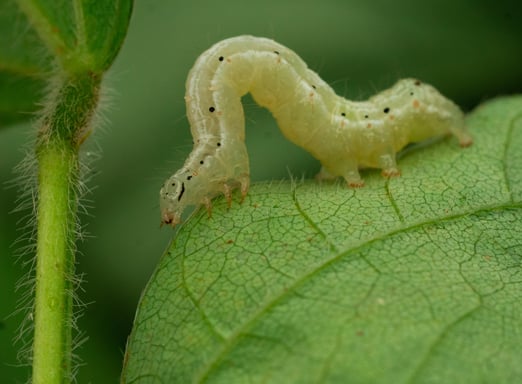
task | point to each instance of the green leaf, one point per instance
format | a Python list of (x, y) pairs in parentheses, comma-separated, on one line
[(81, 34), (78, 36), (412, 280), (23, 60)]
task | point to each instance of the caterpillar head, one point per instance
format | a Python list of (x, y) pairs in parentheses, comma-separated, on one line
[(171, 205)]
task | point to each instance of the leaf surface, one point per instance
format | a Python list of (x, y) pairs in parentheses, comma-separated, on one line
[(415, 279)]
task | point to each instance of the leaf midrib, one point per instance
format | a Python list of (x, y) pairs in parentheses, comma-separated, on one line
[(513, 121), (74, 59)]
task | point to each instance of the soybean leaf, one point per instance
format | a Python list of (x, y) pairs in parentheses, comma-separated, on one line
[(412, 280), (38, 35)]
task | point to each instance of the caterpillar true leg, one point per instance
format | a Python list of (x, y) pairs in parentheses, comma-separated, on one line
[(227, 191), (244, 181), (208, 205)]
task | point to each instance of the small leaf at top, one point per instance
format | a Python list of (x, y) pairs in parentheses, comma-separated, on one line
[(78, 36)]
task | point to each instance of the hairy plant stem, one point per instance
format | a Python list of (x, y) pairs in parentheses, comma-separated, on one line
[(64, 127)]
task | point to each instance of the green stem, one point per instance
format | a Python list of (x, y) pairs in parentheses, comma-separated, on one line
[(55, 266), (64, 128)]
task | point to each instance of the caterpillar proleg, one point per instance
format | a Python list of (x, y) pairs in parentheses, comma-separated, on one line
[(343, 135)]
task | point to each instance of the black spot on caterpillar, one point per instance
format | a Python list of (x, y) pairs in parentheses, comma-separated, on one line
[(343, 135), (182, 190)]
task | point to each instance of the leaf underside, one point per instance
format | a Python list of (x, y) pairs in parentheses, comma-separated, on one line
[(415, 279)]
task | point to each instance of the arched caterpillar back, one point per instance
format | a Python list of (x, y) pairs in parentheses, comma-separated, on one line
[(344, 135)]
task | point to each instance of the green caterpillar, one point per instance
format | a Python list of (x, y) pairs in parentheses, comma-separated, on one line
[(344, 135)]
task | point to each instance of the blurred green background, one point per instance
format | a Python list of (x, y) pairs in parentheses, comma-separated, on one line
[(470, 50)]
